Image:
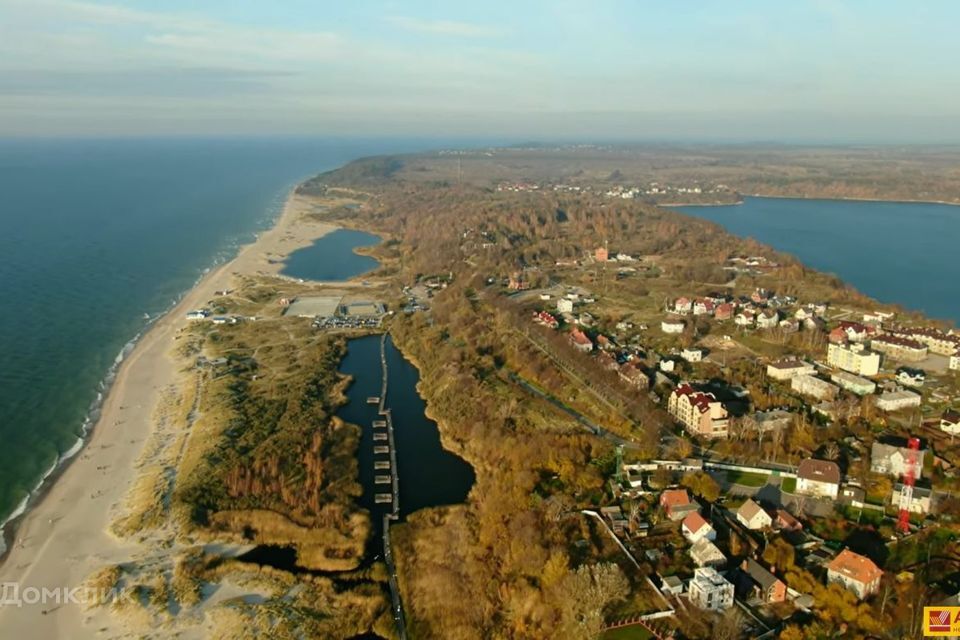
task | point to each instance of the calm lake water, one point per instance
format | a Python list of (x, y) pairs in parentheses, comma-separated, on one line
[(429, 474), (331, 258), (897, 252)]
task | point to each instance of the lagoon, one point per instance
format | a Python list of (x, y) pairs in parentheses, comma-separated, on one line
[(897, 252), (331, 258)]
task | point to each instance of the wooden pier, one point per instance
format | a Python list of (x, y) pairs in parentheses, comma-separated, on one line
[(381, 498), (381, 464), (380, 436), (384, 479), (381, 448)]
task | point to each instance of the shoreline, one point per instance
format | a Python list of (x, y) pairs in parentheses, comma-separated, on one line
[(62, 535), (848, 199)]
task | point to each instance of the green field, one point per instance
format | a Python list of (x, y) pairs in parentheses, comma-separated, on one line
[(635, 632), (746, 479), (789, 485)]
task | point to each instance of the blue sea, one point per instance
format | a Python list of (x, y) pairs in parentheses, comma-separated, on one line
[(99, 238), (897, 252)]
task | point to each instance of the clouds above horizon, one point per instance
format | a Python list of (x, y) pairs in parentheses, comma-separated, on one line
[(814, 70)]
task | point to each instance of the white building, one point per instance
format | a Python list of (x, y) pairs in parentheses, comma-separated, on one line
[(564, 305), (197, 314), (896, 400), (955, 361), (692, 355), (855, 572), (752, 516), (787, 369), (920, 503), (672, 326), (706, 554), (819, 478), (811, 386), (854, 358), (709, 590), (695, 528), (950, 421), (892, 460), (856, 384)]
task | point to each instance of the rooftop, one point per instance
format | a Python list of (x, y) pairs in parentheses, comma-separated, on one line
[(855, 566)]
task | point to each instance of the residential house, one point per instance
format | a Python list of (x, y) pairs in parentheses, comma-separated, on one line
[(891, 459), (699, 412), (854, 358), (667, 365), (955, 361), (789, 325), (767, 421), (197, 314), (950, 421), (671, 585), (819, 478), (745, 318), (709, 590), (784, 521), (692, 354), (899, 348), (580, 341), (601, 254), (852, 494), (564, 305), (854, 331), (695, 527), (706, 554), (703, 307), (724, 311), (765, 586), (615, 519), (676, 504), (768, 319), (752, 516), (920, 502), (815, 323), (786, 369), (911, 377), (683, 306), (856, 384), (633, 374), (672, 326), (896, 400), (815, 387), (855, 572)]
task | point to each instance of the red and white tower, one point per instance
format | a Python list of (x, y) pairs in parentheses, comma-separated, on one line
[(909, 478)]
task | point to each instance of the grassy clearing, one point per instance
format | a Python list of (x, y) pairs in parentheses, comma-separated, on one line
[(746, 479), (789, 485), (627, 633)]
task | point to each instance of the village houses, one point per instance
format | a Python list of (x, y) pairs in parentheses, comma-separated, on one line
[(765, 586), (676, 504), (695, 528), (892, 460)]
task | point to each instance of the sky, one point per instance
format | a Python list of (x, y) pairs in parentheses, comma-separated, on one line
[(731, 70)]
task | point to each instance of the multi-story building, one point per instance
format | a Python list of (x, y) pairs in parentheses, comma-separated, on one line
[(672, 326), (854, 358), (710, 590), (856, 384), (937, 341), (855, 572), (811, 386), (955, 361), (786, 369), (819, 478), (699, 412), (899, 348), (896, 400)]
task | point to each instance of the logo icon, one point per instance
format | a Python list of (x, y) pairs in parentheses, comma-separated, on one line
[(938, 620)]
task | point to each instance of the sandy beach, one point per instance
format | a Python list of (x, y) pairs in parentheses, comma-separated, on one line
[(64, 538)]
